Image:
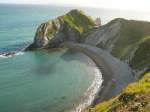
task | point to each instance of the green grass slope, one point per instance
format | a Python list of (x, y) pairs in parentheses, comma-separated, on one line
[(130, 36), (78, 21), (134, 98), (141, 57), (131, 43)]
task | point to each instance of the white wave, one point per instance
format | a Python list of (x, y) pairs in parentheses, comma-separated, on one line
[(6, 55), (19, 53), (91, 92), (2, 56)]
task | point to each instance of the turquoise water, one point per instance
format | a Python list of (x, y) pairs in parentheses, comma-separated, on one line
[(39, 81), (43, 81)]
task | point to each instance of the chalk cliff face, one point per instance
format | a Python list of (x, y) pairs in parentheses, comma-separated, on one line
[(72, 26), (127, 40)]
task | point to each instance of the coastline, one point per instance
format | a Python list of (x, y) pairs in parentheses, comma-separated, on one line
[(111, 85), (103, 68), (104, 90), (89, 95)]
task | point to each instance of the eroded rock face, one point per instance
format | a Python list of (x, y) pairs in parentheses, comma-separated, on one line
[(69, 27), (49, 33), (103, 34)]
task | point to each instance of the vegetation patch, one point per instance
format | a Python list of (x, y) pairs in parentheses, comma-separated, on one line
[(78, 21), (134, 98), (131, 43), (141, 57), (130, 36)]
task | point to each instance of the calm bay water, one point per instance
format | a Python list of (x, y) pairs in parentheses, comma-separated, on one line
[(43, 81)]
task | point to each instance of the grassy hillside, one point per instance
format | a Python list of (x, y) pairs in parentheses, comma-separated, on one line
[(130, 36), (134, 98), (78, 21), (132, 42), (141, 57)]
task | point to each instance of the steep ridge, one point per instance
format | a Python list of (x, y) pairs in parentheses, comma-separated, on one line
[(72, 26), (127, 40)]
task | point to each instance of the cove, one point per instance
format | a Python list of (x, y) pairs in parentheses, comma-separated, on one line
[(43, 81)]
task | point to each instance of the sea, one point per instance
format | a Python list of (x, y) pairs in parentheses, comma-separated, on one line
[(46, 80)]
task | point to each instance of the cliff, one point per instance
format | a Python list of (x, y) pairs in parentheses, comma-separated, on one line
[(72, 26), (128, 40), (134, 98)]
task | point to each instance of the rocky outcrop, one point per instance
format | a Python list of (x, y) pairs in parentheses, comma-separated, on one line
[(70, 27)]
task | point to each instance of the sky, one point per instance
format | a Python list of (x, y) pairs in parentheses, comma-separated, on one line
[(139, 5)]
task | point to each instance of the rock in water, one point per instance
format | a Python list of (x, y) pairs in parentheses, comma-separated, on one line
[(12, 53), (72, 26)]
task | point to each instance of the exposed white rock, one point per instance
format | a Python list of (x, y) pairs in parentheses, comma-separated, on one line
[(103, 34)]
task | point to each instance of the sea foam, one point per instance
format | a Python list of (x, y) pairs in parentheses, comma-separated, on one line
[(91, 92), (4, 55)]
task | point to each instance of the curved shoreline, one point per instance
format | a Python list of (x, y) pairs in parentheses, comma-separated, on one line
[(110, 86), (105, 70), (89, 95), (112, 83)]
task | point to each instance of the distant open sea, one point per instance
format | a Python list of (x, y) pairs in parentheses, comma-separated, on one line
[(44, 81)]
